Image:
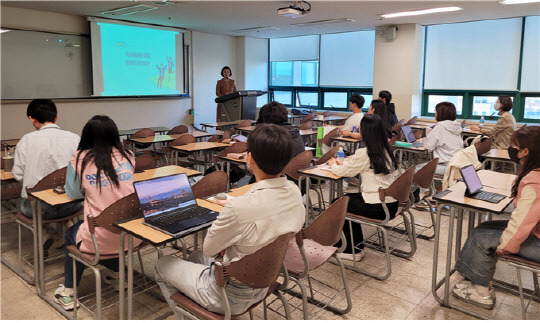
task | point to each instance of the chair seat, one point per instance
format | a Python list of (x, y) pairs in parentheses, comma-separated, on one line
[(23, 219), (11, 191), (201, 312), (316, 255), (520, 260), (88, 256), (29, 221), (363, 218)]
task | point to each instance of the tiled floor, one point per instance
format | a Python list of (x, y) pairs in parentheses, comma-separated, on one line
[(406, 294)]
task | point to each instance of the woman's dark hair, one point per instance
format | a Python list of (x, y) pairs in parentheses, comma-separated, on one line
[(43, 110), (379, 108), (526, 137), (226, 68), (271, 147), (445, 111), (358, 100), (378, 149), (506, 102), (273, 112), (386, 95), (99, 137)]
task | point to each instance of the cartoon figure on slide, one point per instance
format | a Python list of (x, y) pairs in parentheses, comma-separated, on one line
[(161, 69), (170, 64)]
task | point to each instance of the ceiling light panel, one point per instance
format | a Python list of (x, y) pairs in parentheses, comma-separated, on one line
[(421, 12)]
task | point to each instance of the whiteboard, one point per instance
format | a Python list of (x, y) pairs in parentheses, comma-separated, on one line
[(45, 65)]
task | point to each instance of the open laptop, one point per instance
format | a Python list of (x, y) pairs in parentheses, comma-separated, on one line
[(474, 186), (409, 136), (168, 205)]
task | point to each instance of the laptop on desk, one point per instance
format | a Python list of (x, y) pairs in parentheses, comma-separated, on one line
[(474, 186), (168, 205), (409, 136)]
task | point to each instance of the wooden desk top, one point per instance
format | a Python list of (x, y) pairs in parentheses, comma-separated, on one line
[(247, 129), (330, 118), (129, 132), (6, 175), (420, 126), (223, 123), (196, 146), (53, 199), (467, 130), (308, 132), (164, 171), (234, 160), (165, 138), (501, 154), (11, 142), (414, 149), (496, 179), (136, 227), (457, 196), (316, 171), (346, 139)]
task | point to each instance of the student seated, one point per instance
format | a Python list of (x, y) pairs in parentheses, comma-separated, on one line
[(100, 155), (272, 207), (444, 139), (376, 107), (505, 126), (377, 167), (276, 113), (40, 153), (386, 97), (520, 235), (356, 102)]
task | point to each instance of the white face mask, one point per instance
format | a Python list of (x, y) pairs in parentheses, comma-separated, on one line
[(497, 106)]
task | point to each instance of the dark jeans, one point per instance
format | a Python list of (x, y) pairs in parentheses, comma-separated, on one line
[(478, 259), (71, 239), (49, 212), (358, 206)]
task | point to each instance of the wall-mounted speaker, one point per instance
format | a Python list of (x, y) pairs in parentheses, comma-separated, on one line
[(391, 33)]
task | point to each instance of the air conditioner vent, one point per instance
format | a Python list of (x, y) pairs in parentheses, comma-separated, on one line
[(129, 10)]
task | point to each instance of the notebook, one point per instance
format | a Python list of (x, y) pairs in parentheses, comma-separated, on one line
[(409, 136), (168, 205), (474, 186)]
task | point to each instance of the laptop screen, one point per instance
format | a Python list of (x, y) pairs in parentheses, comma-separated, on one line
[(471, 178), (164, 194), (409, 135)]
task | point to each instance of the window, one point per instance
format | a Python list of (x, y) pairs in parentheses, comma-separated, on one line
[(307, 99), (310, 72), (484, 106), (457, 100), (282, 73), (336, 100), (532, 108), (283, 97)]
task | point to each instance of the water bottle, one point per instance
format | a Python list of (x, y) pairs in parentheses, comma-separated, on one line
[(481, 124), (340, 155)]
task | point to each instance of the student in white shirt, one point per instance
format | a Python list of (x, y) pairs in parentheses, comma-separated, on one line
[(272, 207), (379, 108), (356, 102), (377, 167)]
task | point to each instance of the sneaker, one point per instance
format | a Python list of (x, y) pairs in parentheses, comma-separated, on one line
[(349, 256), (110, 277), (64, 297), (467, 283), (470, 295), (49, 241)]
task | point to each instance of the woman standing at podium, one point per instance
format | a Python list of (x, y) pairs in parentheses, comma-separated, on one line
[(224, 86)]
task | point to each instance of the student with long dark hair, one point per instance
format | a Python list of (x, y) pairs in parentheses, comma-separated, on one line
[(520, 235), (101, 172), (376, 165)]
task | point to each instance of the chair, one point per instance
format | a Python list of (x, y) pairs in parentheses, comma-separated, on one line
[(463, 123), (397, 127), (306, 125), (527, 265), (311, 248), (54, 179), (144, 162), (307, 118), (326, 113), (143, 133), (125, 208), (400, 191), (168, 151), (412, 121), (237, 147), (178, 130), (418, 134), (211, 184), (483, 146), (317, 186), (327, 139), (424, 179), (226, 134), (300, 161), (258, 270), (214, 138)]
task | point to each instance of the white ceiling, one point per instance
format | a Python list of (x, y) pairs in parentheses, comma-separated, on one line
[(226, 17)]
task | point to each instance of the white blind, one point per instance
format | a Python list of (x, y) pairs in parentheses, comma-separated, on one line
[(304, 48), (482, 55), (347, 59), (530, 68)]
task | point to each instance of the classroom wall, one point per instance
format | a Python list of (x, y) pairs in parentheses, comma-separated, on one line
[(256, 66), (398, 69)]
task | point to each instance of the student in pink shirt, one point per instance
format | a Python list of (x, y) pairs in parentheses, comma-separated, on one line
[(100, 155)]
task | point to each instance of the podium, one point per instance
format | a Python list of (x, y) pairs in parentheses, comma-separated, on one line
[(240, 105)]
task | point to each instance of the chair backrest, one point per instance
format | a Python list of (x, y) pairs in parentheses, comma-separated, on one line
[(308, 117), (424, 176), (125, 208), (327, 139), (178, 130), (214, 138), (327, 227), (326, 113), (296, 112), (211, 184), (418, 134), (144, 162), (54, 179), (483, 146), (244, 123), (143, 133), (329, 154), (183, 140), (400, 188), (412, 121), (258, 270), (463, 123), (237, 147), (226, 134), (306, 125), (301, 161), (397, 127)]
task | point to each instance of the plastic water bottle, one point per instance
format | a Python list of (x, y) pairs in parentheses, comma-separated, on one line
[(340, 155), (481, 124)]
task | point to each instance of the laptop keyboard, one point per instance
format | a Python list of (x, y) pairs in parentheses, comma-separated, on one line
[(176, 216), (488, 196)]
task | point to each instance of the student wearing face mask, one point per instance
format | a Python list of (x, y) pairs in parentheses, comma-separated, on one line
[(520, 235), (505, 126)]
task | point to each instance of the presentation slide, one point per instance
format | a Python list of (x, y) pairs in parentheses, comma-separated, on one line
[(136, 61)]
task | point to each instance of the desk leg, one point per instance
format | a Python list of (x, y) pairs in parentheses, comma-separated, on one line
[(400, 160), (459, 230), (122, 269), (434, 280), (130, 278), (38, 252), (339, 188), (228, 166), (446, 298)]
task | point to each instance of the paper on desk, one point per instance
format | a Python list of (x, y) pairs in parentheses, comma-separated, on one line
[(327, 168)]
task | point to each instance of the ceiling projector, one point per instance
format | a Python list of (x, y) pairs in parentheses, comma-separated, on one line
[(295, 10)]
